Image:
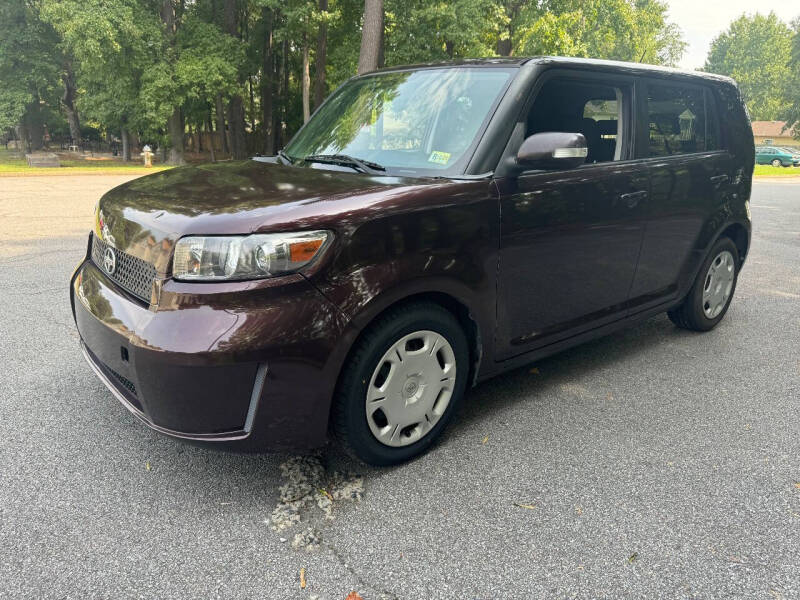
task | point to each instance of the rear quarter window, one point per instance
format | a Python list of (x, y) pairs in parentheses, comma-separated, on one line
[(681, 120)]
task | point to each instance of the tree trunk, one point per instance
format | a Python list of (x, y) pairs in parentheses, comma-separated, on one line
[(321, 59), (126, 145), (252, 119), (267, 87), (235, 105), (306, 85), (176, 129), (168, 16), (504, 47), (175, 126), (68, 100), (284, 95), (135, 142), (236, 127), (381, 55), (223, 138), (211, 139), (371, 36), (33, 125), (22, 136)]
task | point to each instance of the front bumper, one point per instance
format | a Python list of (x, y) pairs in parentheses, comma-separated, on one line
[(253, 363)]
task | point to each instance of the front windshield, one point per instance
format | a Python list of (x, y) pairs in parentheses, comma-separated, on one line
[(415, 121)]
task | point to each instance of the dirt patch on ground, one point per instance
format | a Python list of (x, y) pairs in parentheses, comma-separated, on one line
[(35, 208)]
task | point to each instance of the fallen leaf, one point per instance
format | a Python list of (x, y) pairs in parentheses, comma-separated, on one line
[(303, 578), (353, 596), (326, 493), (485, 439), (797, 485), (609, 396), (147, 465), (633, 557), (528, 506), (579, 510), (534, 371)]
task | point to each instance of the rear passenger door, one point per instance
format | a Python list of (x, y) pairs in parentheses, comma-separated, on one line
[(679, 136)]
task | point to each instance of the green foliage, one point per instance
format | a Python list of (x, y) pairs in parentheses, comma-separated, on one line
[(636, 31), (423, 31), (755, 51), (791, 114), (30, 61), (133, 73)]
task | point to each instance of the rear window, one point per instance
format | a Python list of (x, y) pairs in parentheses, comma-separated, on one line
[(681, 120)]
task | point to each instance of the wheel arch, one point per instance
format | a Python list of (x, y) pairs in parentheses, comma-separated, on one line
[(740, 236), (455, 305)]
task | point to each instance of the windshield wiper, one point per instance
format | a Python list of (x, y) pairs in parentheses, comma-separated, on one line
[(345, 160), (286, 157)]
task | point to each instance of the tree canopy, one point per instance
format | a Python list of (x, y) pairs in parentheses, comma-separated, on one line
[(247, 73), (756, 52)]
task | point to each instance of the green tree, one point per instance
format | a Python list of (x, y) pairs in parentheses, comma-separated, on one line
[(755, 51), (113, 41), (30, 70), (791, 114), (635, 31), (422, 31)]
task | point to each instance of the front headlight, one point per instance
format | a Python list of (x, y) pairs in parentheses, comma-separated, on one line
[(218, 258)]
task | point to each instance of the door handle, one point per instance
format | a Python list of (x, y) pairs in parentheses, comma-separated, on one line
[(717, 179), (632, 199)]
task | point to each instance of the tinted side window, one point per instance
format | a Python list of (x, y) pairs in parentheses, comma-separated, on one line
[(677, 121), (594, 109), (713, 141)]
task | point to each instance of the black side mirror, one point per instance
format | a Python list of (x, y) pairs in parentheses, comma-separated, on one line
[(553, 150)]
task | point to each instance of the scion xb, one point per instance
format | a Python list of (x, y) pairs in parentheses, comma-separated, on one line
[(428, 228)]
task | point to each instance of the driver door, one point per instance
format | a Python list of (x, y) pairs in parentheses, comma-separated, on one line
[(570, 239)]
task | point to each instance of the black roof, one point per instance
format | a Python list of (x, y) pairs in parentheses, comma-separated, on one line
[(569, 62)]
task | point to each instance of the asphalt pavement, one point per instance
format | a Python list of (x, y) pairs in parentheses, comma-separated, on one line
[(651, 463)]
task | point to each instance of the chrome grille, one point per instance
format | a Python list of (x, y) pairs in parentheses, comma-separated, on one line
[(132, 274)]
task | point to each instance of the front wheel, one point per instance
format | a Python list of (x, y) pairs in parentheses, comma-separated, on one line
[(777, 163), (401, 384), (712, 291)]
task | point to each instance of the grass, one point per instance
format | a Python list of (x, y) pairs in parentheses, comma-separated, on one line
[(770, 171), (16, 167)]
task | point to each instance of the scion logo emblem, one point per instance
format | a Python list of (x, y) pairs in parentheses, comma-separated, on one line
[(110, 261)]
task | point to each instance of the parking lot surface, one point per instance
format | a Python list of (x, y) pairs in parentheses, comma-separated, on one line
[(651, 463)]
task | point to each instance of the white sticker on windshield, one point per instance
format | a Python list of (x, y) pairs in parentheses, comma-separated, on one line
[(440, 158)]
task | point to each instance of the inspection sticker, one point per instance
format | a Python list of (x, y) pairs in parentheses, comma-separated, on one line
[(441, 158)]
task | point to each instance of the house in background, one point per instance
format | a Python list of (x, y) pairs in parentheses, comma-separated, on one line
[(774, 133)]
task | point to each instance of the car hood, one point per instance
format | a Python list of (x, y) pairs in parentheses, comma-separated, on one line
[(146, 216)]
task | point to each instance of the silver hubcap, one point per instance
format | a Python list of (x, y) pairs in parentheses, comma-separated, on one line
[(718, 284), (410, 388)]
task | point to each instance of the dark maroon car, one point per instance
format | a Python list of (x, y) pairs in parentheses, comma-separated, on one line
[(428, 228)]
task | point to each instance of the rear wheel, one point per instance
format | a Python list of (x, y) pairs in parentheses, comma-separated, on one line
[(712, 292), (401, 385)]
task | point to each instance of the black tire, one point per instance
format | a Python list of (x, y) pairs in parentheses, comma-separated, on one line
[(349, 421), (689, 314)]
